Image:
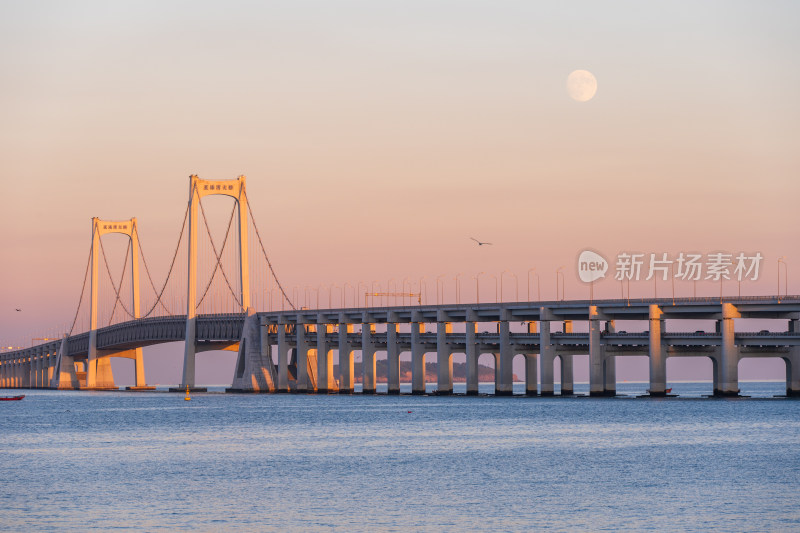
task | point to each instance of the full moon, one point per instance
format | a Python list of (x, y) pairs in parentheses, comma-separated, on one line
[(581, 85)]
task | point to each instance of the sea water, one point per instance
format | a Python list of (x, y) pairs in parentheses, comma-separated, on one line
[(150, 461)]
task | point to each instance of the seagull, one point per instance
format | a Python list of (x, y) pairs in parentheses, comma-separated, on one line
[(479, 242), (19, 310)]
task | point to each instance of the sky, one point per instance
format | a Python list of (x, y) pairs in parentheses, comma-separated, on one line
[(377, 137)]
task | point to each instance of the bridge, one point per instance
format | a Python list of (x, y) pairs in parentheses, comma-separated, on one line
[(293, 349)]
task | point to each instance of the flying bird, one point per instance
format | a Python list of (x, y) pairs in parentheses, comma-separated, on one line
[(479, 242), (19, 310)]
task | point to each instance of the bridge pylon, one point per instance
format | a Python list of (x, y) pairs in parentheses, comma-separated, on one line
[(198, 188), (98, 372)]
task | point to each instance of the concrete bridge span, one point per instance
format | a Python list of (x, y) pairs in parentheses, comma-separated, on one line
[(294, 350)]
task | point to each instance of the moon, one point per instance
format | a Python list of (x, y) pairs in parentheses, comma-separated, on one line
[(581, 85)]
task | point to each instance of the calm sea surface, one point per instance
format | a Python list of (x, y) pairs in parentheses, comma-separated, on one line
[(222, 462)]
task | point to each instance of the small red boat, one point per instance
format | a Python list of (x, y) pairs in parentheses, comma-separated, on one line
[(11, 398)]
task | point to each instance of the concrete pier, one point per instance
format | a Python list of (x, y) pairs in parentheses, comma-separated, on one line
[(283, 357), (417, 359), (793, 362), (596, 363), (609, 364), (443, 356), (301, 336), (567, 374), (392, 359), (657, 355), (729, 371), (547, 353), (368, 363), (346, 361), (471, 349), (504, 385)]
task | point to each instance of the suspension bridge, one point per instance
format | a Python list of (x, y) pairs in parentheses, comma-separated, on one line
[(294, 349)]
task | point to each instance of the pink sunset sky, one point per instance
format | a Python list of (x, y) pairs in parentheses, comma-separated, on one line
[(378, 137)]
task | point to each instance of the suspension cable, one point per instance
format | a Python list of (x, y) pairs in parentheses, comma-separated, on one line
[(83, 289), (121, 280), (110, 277), (264, 251), (171, 266), (218, 255)]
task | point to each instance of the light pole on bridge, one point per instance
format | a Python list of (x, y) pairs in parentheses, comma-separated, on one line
[(785, 276), (458, 287), (477, 278), (389, 290), (538, 285), (372, 288), (344, 295), (423, 278), (366, 289), (438, 278), (516, 284)]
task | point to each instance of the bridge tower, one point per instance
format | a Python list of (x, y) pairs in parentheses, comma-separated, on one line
[(98, 372), (199, 188)]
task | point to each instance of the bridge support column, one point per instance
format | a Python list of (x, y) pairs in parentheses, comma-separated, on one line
[(729, 371), (793, 364), (283, 357), (138, 362), (254, 371), (46, 367), (368, 357), (567, 373), (472, 359), (42, 368), (505, 370), (392, 358), (596, 378), (547, 353), (417, 359), (33, 369), (531, 368), (326, 383), (346, 365), (189, 355), (444, 363), (104, 375), (64, 376), (609, 365), (26, 371), (657, 354), (531, 374), (303, 384)]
